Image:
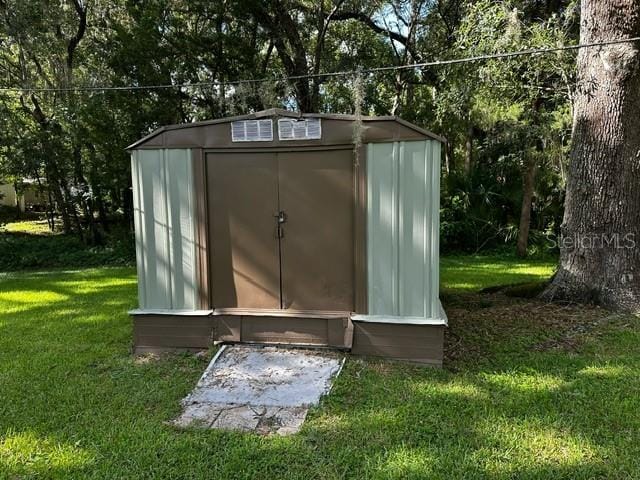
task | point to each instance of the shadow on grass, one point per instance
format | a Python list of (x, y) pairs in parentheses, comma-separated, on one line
[(537, 417), (21, 250), (76, 404)]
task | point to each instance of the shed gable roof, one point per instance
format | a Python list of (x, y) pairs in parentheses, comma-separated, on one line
[(281, 113)]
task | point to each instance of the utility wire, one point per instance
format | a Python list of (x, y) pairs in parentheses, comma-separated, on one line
[(344, 73)]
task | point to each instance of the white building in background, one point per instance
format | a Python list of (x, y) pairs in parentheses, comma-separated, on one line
[(30, 197), (8, 196)]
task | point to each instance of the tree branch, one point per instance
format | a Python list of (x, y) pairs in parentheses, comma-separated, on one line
[(73, 42), (368, 21), (322, 34)]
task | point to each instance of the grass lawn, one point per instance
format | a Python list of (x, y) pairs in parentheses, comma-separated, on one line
[(529, 391), (473, 272)]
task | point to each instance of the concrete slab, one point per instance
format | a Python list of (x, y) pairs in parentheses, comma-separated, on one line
[(259, 388), (198, 415), (241, 417)]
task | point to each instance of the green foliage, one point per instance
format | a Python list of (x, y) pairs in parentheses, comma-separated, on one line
[(497, 113), (30, 245), (507, 111)]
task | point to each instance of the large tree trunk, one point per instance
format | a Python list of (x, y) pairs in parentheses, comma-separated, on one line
[(599, 258), (528, 184)]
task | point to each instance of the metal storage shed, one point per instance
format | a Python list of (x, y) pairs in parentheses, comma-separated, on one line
[(273, 228)]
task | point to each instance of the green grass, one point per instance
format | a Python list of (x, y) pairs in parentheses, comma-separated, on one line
[(31, 227), (474, 272), (75, 404)]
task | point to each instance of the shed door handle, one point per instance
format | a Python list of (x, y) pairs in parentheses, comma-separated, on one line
[(281, 217)]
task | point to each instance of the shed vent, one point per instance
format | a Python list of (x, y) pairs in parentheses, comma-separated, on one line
[(252, 131), (307, 129)]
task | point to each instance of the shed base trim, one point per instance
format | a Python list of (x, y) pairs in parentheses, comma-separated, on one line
[(399, 320), (154, 332), (398, 339), (176, 313), (334, 332), (423, 344), (260, 312)]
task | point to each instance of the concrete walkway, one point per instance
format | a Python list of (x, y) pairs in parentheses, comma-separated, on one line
[(260, 389)]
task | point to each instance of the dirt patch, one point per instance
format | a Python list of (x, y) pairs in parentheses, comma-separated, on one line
[(146, 358), (479, 322), (149, 358)]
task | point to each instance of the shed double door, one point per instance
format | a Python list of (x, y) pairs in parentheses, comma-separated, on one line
[(281, 230)]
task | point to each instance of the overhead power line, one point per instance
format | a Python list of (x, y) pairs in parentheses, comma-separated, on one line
[(343, 73)]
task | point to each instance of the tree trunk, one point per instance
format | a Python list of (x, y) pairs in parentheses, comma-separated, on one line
[(449, 158), (51, 215), (290, 47), (16, 189), (468, 150), (82, 196), (51, 221), (127, 206), (599, 259), (528, 183), (102, 209), (55, 187)]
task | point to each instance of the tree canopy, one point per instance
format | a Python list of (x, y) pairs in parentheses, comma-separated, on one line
[(507, 120)]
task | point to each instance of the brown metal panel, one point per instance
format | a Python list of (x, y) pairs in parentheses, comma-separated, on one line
[(155, 333), (281, 148), (243, 258), (173, 341), (228, 328), (316, 194), (412, 343), (201, 225), (340, 333), (389, 130), (336, 130), (151, 321), (360, 235), (184, 136), (174, 331), (285, 330)]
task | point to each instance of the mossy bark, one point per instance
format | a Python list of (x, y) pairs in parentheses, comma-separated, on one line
[(600, 254)]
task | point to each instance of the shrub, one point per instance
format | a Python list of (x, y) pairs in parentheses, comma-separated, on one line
[(20, 250)]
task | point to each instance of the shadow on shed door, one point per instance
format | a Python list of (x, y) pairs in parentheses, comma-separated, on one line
[(308, 265)]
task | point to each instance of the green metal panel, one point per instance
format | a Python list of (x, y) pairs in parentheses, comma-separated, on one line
[(434, 241), (165, 230), (403, 194), (138, 213), (152, 236), (180, 200), (413, 200), (382, 228)]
